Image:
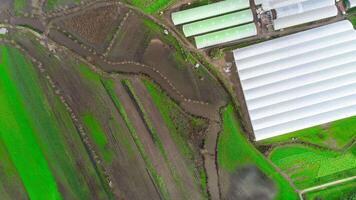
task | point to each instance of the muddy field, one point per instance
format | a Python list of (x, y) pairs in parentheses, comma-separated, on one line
[(95, 26)]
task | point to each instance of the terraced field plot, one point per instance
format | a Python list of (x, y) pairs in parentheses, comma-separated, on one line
[(309, 166), (32, 118)]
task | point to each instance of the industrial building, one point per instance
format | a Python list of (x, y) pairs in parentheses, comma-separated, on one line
[(299, 81), (217, 23)]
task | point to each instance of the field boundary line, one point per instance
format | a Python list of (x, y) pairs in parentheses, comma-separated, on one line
[(162, 76), (112, 42), (94, 52)]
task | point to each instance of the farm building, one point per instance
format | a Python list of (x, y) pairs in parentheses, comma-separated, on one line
[(210, 10), (305, 17), (299, 81)]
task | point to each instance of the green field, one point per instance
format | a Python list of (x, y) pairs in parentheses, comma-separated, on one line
[(338, 192), (310, 166), (335, 135), (36, 131), (151, 6), (235, 151)]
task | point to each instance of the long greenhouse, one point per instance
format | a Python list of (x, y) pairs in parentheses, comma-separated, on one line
[(303, 7), (305, 17), (217, 23), (299, 81), (226, 35), (207, 11)]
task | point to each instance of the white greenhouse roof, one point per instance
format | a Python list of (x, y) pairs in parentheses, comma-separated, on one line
[(303, 7), (299, 81), (273, 4), (226, 35), (305, 17), (352, 3), (207, 11)]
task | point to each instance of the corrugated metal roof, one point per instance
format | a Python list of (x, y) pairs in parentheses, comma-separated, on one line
[(207, 11), (218, 23), (299, 84), (226, 35), (305, 17)]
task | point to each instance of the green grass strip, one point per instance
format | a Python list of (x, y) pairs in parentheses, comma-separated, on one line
[(235, 151), (18, 133), (98, 135), (151, 6), (109, 85)]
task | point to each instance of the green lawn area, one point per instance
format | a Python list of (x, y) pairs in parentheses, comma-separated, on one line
[(18, 131), (334, 135), (338, 192), (235, 151), (151, 6), (309, 166)]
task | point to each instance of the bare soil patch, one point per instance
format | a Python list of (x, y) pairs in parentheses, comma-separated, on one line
[(95, 27), (130, 41)]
